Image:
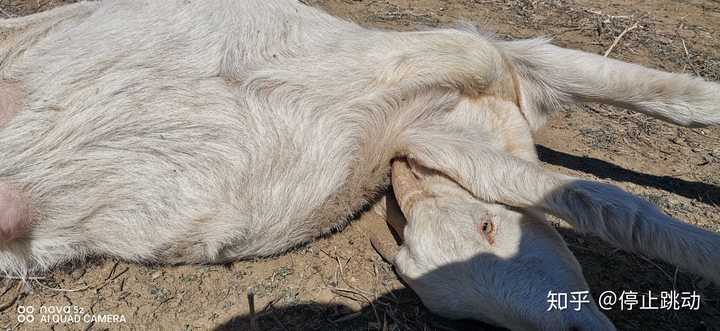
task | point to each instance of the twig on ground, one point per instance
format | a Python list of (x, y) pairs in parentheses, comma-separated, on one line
[(83, 288), (344, 293), (22, 278), (622, 34), (9, 285), (112, 270), (670, 278), (110, 277), (251, 307), (7, 15), (687, 58), (19, 293), (600, 13)]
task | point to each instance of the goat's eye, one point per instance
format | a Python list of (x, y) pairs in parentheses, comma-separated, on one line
[(486, 226), (487, 229)]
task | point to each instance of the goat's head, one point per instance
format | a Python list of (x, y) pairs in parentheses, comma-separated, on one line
[(469, 259)]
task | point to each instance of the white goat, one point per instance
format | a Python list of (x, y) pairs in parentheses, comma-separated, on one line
[(207, 131)]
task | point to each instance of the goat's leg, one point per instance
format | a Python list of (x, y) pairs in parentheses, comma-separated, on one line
[(550, 75), (612, 214)]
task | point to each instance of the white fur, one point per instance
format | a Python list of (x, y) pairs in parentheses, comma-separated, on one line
[(206, 131)]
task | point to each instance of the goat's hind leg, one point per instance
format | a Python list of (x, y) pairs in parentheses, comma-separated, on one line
[(552, 75)]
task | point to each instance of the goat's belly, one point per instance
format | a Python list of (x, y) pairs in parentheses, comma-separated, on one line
[(186, 180), (281, 235), (298, 198), (356, 193)]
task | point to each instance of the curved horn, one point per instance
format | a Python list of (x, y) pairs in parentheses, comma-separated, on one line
[(406, 186)]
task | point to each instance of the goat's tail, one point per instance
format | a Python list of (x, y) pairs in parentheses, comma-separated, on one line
[(551, 75)]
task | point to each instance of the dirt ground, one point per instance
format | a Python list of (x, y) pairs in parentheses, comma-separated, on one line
[(339, 282)]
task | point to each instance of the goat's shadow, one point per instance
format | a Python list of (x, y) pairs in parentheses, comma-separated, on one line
[(605, 269), (409, 314), (702, 192)]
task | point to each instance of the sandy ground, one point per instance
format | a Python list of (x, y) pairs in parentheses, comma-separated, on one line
[(339, 282)]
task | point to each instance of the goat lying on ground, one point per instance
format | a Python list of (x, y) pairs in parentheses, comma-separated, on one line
[(203, 132)]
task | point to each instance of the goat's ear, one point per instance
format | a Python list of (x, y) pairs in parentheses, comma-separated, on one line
[(551, 75)]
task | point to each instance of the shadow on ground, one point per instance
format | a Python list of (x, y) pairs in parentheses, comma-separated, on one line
[(400, 307), (705, 193), (605, 268)]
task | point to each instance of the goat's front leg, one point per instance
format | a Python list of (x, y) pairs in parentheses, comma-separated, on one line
[(612, 214)]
